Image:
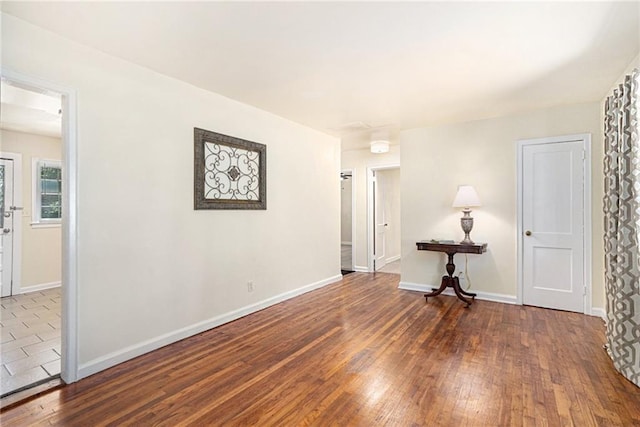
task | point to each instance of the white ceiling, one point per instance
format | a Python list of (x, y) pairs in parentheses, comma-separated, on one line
[(24, 110), (346, 68)]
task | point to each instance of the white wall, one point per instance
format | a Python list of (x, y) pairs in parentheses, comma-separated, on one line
[(634, 64), (359, 161), (150, 267), (483, 154), (41, 247)]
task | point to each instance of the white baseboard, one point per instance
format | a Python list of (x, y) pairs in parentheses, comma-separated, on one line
[(408, 286), (361, 269), (599, 312), (345, 243), (487, 296), (392, 259), (127, 353), (40, 287)]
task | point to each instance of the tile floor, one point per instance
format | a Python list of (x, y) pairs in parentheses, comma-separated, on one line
[(30, 338)]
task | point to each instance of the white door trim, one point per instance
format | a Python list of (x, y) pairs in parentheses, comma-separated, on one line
[(353, 215), (16, 260), (586, 143), (370, 225), (69, 368)]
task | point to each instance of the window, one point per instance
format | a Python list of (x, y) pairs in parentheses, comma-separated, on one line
[(47, 191)]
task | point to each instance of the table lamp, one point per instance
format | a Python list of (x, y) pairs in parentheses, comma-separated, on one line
[(466, 198)]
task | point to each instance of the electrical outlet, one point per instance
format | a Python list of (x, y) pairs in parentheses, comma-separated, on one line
[(249, 286)]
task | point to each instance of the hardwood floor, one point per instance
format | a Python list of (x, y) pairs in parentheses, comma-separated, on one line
[(362, 352)]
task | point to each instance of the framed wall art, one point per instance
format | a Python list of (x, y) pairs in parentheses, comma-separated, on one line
[(229, 172)]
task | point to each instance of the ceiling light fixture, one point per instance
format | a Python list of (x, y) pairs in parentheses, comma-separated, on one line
[(380, 146)]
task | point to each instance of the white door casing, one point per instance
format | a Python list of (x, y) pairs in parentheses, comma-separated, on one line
[(380, 220), (552, 254), (70, 367), (371, 226), (6, 226)]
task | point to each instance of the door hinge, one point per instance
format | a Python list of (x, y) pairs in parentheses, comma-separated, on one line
[(584, 154), (584, 290)]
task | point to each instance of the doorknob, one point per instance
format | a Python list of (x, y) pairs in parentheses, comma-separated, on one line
[(527, 233), (6, 230)]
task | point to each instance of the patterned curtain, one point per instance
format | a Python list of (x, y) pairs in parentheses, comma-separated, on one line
[(622, 227)]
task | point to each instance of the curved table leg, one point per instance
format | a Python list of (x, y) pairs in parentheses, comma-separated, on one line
[(443, 286), (469, 294), (458, 290)]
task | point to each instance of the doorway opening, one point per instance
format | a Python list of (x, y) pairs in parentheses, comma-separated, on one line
[(347, 221), (383, 219), (38, 235)]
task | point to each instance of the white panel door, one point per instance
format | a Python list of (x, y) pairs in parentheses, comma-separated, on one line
[(553, 225), (6, 225), (380, 239)]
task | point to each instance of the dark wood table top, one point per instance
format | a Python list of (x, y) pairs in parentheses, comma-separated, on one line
[(450, 247)]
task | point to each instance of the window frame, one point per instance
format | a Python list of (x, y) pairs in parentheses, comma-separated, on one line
[(36, 190)]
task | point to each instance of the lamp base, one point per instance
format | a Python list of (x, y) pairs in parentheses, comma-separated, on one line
[(467, 225)]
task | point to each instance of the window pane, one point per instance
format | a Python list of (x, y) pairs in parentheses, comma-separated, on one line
[(50, 186), (51, 200), (51, 213), (48, 172), (49, 189), (51, 206)]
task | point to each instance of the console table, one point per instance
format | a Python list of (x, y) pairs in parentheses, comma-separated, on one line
[(451, 249)]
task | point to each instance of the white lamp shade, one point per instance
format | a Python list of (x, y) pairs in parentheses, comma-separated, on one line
[(466, 197), (379, 146)]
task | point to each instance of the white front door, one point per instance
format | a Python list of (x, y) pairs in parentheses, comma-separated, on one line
[(6, 225), (553, 203), (380, 240)]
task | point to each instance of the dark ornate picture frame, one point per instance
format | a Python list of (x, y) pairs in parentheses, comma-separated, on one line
[(229, 172)]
